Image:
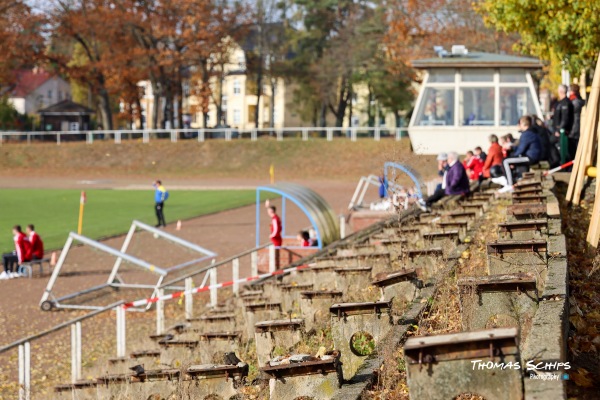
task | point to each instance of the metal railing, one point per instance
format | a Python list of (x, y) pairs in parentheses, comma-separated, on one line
[(24, 346), (201, 135)]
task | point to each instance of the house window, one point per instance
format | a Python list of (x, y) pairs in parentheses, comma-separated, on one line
[(437, 107), (477, 106), (74, 126), (237, 116), (224, 103), (237, 86), (242, 62), (515, 102), (60, 95), (49, 94)]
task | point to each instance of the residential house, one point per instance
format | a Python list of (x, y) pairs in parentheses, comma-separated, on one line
[(37, 88)]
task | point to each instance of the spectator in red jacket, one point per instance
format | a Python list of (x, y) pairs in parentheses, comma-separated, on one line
[(21, 254), (37, 245), (494, 157), (473, 165)]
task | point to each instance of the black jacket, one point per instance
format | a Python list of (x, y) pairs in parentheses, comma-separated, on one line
[(578, 104), (563, 116)]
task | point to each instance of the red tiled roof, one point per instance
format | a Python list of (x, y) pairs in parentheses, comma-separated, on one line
[(29, 80)]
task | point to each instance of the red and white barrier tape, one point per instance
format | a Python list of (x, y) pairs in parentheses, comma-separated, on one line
[(553, 170), (143, 302)]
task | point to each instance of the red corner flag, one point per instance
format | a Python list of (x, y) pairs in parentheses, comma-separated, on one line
[(83, 198)]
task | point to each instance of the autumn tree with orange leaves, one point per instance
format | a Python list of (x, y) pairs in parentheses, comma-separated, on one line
[(21, 41), (415, 26)]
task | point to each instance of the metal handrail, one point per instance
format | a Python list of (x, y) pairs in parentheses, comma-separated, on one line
[(60, 326), (213, 266)]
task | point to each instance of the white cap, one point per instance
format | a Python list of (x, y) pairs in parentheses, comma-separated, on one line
[(442, 157)]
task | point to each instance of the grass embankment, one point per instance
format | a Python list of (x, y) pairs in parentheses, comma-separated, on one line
[(107, 212), (238, 159)]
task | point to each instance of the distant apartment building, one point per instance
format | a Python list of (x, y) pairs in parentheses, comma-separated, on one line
[(36, 89), (239, 102)]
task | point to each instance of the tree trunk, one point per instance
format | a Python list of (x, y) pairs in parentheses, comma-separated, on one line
[(138, 106), (323, 116), (104, 105), (272, 105), (397, 118), (259, 79), (155, 104)]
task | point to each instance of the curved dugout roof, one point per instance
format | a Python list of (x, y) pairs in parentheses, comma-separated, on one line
[(318, 211)]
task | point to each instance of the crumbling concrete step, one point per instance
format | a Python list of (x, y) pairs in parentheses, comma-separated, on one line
[(427, 262), (461, 226), (354, 279), (314, 306), (523, 230), (402, 285), (445, 237), (443, 367), (254, 313), (276, 336), (529, 199), (83, 389), (176, 352), (320, 276), (212, 345), (491, 301), (314, 379), (514, 256), (357, 329), (213, 322)]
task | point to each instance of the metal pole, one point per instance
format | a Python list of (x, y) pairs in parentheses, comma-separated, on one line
[(201, 135), (353, 134), (75, 352), (173, 136), (24, 371), (235, 272), (283, 216), (272, 258), (189, 300), (377, 134), (329, 134), (58, 138), (145, 136), (124, 248), (257, 217), (56, 270), (253, 135), (254, 263), (342, 227), (213, 289), (121, 336), (160, 313)]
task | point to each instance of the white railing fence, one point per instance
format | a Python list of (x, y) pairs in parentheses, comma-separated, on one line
[(201, 135)]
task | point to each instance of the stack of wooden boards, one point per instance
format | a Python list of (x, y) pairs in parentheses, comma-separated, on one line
[(588, 154)]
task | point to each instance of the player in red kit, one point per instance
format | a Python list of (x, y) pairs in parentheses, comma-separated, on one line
[(37, 245), (275, 232), (21, 254)]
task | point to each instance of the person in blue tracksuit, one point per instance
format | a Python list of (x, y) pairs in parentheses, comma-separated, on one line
[(160, 196)]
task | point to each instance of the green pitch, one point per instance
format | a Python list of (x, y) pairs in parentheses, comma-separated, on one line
[(55, 212)]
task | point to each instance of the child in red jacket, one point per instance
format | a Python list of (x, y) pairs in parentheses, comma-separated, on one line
[(21, 254), (473, 165)]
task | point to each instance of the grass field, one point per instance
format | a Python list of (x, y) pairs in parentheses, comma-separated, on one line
[(107, 212)]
